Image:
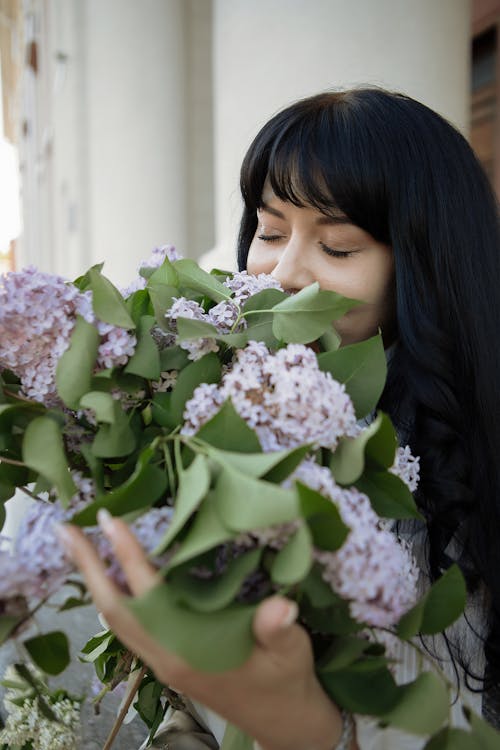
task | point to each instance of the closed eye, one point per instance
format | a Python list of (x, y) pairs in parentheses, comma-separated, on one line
[(334, 253), (269, 237)]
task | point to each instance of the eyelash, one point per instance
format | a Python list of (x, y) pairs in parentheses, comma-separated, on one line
[(328, 250)]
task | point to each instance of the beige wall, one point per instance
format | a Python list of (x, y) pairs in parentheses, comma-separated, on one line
[(270, 52), (141, 111)]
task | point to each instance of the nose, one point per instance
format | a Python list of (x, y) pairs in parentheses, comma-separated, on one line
[(293, 270)]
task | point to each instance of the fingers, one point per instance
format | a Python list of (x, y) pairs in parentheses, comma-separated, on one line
[(140, 574), (274, 624)]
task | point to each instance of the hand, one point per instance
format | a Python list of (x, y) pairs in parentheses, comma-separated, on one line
[(274, 696)]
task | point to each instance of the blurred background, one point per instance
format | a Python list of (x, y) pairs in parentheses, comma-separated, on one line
[(124, 122)]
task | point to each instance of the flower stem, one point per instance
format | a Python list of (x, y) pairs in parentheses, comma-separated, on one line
[(123, 711), (12, 461)]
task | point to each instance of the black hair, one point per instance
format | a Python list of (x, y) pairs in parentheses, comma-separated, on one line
[(406, 176)]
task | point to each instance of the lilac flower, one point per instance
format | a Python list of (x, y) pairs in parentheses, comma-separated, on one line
[(284, 397), (116, 347), (407, 467), (38, 566), (166, 383), (187, 308), (373, 570), (244, 285), (37, 315), (38, 312), (155, 260), (224, 315)]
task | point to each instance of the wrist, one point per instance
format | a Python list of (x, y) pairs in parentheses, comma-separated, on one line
[(320, 725)]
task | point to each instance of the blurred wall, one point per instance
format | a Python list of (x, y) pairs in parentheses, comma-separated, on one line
[(139, 113)]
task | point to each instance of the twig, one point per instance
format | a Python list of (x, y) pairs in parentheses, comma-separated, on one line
[(31, 494), (123, 712), (11, 461)]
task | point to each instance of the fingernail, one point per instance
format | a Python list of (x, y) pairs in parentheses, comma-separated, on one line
[(291, 615), (65, 538), (105, 520)]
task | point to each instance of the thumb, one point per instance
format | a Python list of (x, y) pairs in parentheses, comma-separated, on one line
[(274, 624)]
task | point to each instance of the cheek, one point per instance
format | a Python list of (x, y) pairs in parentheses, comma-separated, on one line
[(257, 261)]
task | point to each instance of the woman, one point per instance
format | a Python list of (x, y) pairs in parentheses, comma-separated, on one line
[(377, 197)]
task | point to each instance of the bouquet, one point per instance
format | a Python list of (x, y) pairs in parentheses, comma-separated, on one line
[(217, 414)]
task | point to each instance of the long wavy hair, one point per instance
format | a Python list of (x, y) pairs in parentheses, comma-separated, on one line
[(405, 175)]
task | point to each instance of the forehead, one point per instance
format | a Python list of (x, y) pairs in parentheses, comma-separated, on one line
[(331, 212)]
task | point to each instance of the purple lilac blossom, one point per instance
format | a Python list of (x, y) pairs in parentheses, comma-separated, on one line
[(188, 308), (38, 312), (407, 467), (284, 397), (155, 260), (37, 566), (245, 285), (374, 570)]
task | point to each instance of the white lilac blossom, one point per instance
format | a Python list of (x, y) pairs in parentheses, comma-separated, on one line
[(284, 397), (244, 285), (38, 312), (155, 260), (27, 725), (373, 570), (407, 467)]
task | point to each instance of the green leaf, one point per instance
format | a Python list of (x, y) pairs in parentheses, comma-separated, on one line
[(344, 651), (328, 530), (488, 737), (97, 645), (305, 316), (228, 431), (451, 738), (244, 503), (103, 404), (7, 625), (362, 367), (360, 690), (260, 324), (43, 451), (375, 447), (293, 562), (148, 701), (210, 641), (143, 488), (206, 532), (316, 589), (204, 370), (162, 298), (422, 707), (389, 495), (173, 358), (204, 595), (236, 739), (438, 608), (83, 282), (138, 305), (74, 369), (165, 275), (116, 438), (275, 466), (146, 359), (194, 483), (50, 652), (188, 329), (193, 277), (107, 302)]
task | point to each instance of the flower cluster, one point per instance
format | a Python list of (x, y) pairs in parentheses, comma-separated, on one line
[(27, 725), (38, 312), (154, 261), (37, 566), (225, 316), (284, 397)]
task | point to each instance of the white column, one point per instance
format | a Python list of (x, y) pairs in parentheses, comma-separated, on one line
[(268, 53), (135, 130)]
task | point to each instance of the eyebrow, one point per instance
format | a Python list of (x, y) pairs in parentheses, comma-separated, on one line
[(321, 221)]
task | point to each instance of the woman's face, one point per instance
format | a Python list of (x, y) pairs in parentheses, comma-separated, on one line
[(301, 245)]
